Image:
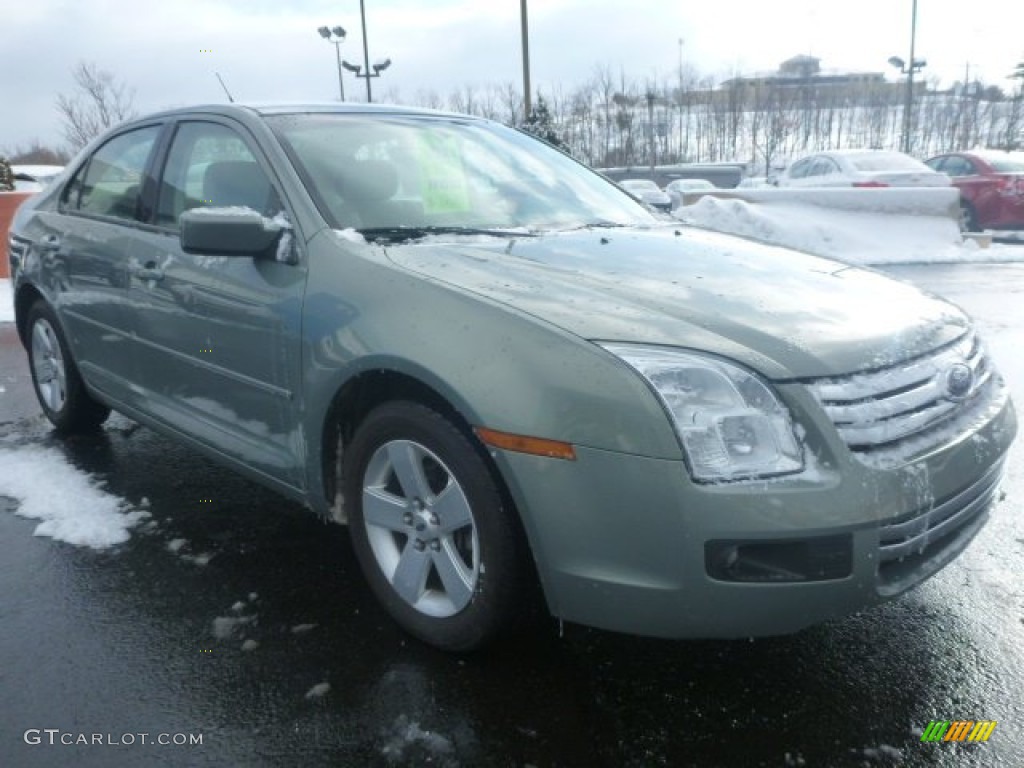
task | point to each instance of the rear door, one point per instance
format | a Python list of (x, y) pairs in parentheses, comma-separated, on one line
[(219, 350), (89, 241)]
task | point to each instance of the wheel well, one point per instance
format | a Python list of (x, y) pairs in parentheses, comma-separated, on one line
[(364, 393), (368, 390), (26, 297)]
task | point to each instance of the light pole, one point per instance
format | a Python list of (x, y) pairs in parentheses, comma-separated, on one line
[(527, 108), (364, 70), (909, 68), (335, 35)]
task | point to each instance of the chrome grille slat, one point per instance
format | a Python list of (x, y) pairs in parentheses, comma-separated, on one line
[(885, 431), (874, 410), (887, 415), (852, 388)]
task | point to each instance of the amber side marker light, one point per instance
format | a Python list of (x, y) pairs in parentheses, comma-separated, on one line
[(538, 446)]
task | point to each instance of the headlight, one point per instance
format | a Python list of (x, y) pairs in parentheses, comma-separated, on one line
[(729, 421)]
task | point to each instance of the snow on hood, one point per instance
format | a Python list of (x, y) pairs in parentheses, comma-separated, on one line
[(787, 314)]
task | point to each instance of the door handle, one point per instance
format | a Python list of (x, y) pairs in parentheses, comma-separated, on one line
[(49, 243)]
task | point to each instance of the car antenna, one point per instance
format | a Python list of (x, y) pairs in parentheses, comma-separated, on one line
[(224, 87)]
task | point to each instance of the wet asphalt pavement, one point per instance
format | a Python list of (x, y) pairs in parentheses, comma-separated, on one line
[(151, 637)]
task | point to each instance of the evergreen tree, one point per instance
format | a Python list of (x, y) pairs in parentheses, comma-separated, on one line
[(6, 176), (540, 124)]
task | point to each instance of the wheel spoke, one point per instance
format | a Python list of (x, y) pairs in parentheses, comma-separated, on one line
[(43, 369), (383, 510), (452, 509), (41, 340), (408, 465), (457, 581), (410, 578)]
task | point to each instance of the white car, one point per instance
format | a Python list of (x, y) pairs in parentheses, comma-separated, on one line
[(677, 189), (34, 178), (861, 168), (647, 192)]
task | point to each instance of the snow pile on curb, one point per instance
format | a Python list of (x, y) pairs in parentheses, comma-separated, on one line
[(69, 503), (850, 236)]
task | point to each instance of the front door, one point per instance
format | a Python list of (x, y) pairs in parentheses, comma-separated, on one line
[(219, 336)]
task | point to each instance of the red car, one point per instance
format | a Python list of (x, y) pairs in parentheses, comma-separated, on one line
[(991, 185)]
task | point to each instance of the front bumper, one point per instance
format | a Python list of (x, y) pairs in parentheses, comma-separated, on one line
[(626, 543)]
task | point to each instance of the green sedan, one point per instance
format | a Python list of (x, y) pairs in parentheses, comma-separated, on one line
[(513, 382)]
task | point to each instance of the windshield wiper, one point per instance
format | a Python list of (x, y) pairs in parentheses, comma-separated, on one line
[(402, 234)]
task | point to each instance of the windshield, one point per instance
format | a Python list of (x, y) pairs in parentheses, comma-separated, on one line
[(640, 185), (1008, 163), (887, 161), (385, 174)]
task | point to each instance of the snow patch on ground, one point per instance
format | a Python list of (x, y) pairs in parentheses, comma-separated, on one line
[(407, 740), (317, 691), (225, 626), (850, 236), (6, 301), (70, 504)]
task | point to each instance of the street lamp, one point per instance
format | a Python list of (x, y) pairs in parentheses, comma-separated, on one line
[(357, 70), (335, 35), (364, 70), (915, 65)]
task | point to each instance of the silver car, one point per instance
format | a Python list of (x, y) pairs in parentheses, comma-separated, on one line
[(863, 168), (503, 373)]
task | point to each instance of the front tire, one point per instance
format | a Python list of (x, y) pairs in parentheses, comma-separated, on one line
[(430, 527), (55, 378), (968, 218)]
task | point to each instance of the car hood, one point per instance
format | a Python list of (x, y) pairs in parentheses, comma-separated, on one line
[(784, 313)]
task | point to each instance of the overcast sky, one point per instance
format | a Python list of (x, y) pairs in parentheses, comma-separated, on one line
[(268, 50)]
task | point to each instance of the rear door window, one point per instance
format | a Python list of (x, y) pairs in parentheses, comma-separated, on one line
[(109, 184)]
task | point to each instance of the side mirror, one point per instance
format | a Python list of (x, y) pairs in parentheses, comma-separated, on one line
[(229, 231)]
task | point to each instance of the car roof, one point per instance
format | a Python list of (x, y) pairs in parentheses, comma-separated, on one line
[(248, 109)]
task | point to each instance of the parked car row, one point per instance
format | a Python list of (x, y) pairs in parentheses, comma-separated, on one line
[(991, 182), (667, 199)]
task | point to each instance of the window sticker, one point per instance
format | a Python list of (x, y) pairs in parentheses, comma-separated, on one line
[(443, 185)]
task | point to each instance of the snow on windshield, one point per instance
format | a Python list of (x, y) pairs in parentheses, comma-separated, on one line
[(887, 161), (403, 172)]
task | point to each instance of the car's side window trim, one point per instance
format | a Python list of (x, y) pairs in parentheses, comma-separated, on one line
[(244, 135), (75, 183)]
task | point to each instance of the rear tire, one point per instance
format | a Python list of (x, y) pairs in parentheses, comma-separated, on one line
[(430, 528), (55, 378)]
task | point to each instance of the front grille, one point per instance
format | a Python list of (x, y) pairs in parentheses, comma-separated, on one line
[(891, 415), (912, 548)]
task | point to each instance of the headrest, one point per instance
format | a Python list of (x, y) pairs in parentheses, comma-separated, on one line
[(237, 182), (370, 180)]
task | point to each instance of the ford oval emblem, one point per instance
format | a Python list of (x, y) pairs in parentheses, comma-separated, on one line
[(959, 381)]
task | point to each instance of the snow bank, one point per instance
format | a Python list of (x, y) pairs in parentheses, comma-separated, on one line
[(855, 236), (6, 301), (70, 504)]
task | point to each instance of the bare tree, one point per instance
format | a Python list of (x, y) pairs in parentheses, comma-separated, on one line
[(98, 102)]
